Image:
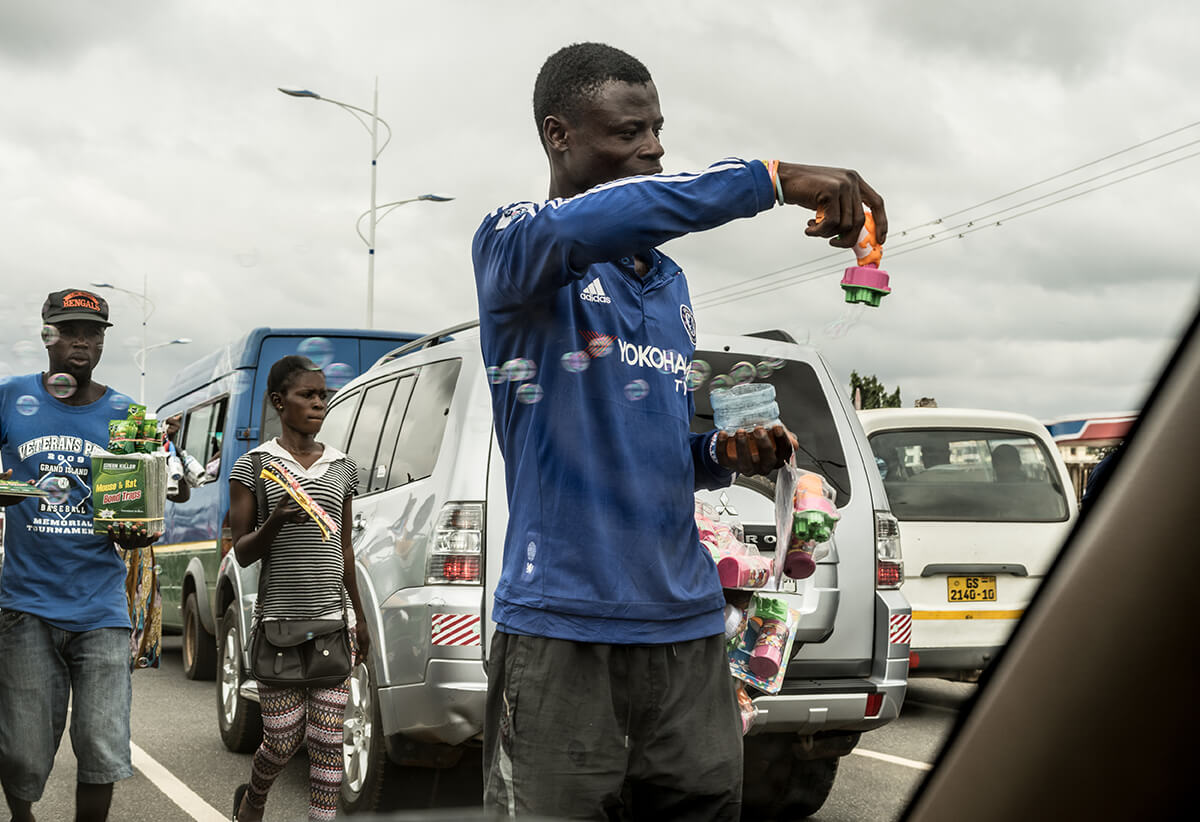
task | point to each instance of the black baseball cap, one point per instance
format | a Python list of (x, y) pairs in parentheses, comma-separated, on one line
[(75, 304)]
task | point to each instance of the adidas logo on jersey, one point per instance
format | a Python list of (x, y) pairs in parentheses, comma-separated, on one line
[(593, 292)]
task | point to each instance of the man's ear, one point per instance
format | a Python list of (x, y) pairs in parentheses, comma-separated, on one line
[(554, 134)]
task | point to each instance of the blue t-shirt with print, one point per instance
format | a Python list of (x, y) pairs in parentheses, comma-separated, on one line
[(54, 566)]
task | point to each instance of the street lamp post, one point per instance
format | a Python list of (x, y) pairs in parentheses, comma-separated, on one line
[(147, 310), (376, 150), (141, 360)]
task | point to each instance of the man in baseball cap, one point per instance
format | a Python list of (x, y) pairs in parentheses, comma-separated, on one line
[(75, 304), (64, 618)]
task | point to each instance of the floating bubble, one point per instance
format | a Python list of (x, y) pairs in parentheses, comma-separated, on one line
[(56, 489), (27, 404), (247, 259), (50, 335), (61, 385), (742, 373), (243, 381), (529, 393), (669, 362), (308, 635), (317, 349), (637, 390), (763, 370), (698, 374), (25, 351), (496, 375), (576, 361), (599, 347), (520, 370), (337, 375), (120, 403), (721, 381)]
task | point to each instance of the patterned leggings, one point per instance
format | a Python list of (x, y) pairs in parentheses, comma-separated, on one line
[(293, 715)]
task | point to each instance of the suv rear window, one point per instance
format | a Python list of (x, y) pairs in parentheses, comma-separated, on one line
[(802, 407), (962, 475)]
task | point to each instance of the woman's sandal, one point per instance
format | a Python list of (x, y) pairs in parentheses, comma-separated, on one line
[(238, 794)]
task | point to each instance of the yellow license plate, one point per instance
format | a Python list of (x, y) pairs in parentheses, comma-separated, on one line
[(971, 589)]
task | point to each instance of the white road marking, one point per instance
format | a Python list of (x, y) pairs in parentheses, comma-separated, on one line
[(895, 760), (183, 796)]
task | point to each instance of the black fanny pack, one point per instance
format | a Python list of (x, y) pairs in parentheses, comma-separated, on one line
[(300, 653)]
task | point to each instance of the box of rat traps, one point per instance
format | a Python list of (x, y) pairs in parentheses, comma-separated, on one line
[(129, 489)]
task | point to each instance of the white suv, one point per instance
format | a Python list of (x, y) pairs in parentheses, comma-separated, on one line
[(428, 530)]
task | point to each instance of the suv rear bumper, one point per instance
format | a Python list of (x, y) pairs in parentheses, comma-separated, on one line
[(446, 707), (810, 706)]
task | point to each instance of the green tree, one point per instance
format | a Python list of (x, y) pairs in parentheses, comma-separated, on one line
[(873, 392)]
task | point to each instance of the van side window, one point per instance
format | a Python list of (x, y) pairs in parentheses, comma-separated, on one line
[(420, 438), (338, 419), (364, 441), (203, 433)]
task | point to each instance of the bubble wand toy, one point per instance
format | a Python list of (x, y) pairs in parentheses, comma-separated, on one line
[(865, 282)]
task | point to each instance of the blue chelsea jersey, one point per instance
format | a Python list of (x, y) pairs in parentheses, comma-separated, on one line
[(589, 368)]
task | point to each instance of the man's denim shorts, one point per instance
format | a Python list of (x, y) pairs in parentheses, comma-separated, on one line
[(43, 667)]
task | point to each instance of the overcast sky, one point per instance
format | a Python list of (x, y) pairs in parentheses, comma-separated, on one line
[(147, 139)]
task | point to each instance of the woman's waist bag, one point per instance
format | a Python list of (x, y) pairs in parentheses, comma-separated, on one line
[(300, 653), (296, 653)]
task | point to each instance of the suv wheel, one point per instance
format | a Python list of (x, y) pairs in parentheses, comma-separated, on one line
[(199, 646), (239, 718), (364, 754), (778, 784)]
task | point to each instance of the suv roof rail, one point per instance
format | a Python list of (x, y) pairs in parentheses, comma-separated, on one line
[(428, 341), (774, 334)]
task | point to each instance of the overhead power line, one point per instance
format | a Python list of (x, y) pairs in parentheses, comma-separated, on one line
[(816, 269), (970, 227)]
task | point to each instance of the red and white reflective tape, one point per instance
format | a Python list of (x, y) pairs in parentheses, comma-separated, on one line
[(455, 629), (900, 629)]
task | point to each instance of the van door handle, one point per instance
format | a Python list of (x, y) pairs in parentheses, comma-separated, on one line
[(359, 523)]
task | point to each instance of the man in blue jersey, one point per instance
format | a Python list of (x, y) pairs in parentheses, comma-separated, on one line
[(64, 620), (609, 690)]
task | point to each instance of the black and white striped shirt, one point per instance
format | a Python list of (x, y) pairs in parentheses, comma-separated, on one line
[(304, 576)]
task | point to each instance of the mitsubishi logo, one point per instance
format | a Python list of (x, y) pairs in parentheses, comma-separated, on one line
[(724, 508)]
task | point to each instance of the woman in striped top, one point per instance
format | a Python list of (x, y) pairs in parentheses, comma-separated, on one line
[(309, 578)]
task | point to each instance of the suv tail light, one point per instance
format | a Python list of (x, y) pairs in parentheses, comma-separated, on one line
[(889, 566), (457, 552)]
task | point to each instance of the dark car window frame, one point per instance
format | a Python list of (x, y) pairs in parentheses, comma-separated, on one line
[(432, 409)]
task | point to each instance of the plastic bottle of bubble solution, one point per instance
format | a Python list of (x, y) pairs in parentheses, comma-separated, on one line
[(744, 406), (767, 656)]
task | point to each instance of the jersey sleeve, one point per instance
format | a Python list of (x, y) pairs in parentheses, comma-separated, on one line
[(528, 250)]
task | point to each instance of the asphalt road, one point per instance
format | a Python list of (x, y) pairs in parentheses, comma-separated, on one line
[(182, 772)]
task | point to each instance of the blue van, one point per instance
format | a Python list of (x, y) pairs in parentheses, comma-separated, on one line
[(222, 398)]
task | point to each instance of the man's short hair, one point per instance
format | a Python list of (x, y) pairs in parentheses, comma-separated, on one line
[(574, 74)]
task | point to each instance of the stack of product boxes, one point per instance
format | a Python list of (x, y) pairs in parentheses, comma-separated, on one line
[(129, 483)]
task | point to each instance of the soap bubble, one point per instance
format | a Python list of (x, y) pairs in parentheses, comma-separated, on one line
[(670, 360), (25, 351), (599, 347), (520, 370), (27, 404), (308, 635), (61, 385), (120, 404), (496, 375), (742, 373), (721, 381), (50, 335), (763, 370), (529, 393), (576, 361), (317, 349), (56, 489), (698, 374), (243, 381), (337, 375), (637, 390)]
